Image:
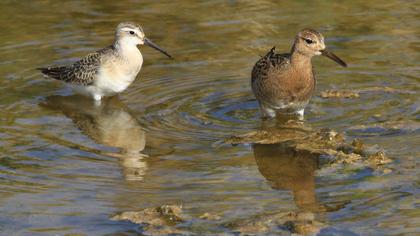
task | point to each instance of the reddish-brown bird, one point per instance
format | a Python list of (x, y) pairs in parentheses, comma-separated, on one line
[(284, 83)]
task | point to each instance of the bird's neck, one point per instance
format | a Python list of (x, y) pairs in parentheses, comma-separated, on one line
[(125, 47), (299, 60), (301, 64)]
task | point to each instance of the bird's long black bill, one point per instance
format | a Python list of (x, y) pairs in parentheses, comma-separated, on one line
[(155, 46), (333, 57)]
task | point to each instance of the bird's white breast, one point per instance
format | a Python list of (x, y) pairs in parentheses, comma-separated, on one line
[(117, 73)]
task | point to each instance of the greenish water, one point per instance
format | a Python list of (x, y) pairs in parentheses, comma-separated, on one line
[(67, 166)]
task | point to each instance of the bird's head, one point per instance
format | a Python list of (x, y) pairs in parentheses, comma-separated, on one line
[(133, 34), (311, 43)]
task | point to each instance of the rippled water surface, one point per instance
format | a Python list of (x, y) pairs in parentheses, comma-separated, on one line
[(67, 166)]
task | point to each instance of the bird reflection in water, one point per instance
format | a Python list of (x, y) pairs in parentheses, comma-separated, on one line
[(110, 124), (287, 168)]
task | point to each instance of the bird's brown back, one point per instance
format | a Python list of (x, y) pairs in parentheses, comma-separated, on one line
[(275, 81)]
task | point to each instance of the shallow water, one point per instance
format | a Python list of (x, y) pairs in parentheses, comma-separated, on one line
[(67, 166)]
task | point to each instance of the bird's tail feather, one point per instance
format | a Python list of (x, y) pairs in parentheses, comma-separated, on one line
[(53, 72)]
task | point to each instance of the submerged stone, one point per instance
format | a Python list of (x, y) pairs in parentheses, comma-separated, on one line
[(156, 221), (210, 216), (339, 94), (356, 93), (283, 223)]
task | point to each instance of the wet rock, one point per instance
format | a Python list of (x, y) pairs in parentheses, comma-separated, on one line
[(156, 221), (166, 214), (357, 145), (171, 213), (378, 159)]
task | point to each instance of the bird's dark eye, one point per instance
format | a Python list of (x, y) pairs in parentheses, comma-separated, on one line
[(131, 32), (309, 41)]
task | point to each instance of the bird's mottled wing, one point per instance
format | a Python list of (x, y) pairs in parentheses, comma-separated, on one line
[(267, 63), (82, 72)]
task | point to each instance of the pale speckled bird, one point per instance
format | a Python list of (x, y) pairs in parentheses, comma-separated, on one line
[(110, 70), (284, 83)]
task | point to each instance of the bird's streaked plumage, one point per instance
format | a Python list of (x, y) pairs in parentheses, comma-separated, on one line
[(82, 72)]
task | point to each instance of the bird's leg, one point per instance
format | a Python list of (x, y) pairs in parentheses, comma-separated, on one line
[(97, 99), (300, 114), (267, 112)]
